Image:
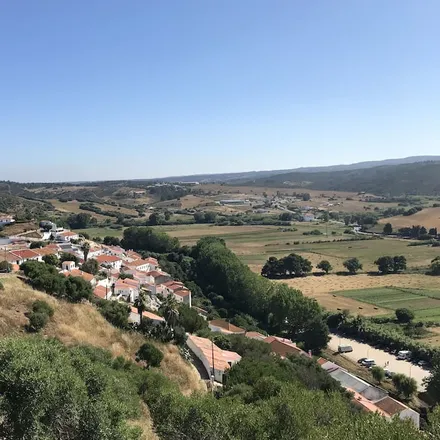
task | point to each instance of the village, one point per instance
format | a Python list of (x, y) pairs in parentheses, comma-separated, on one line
[(127, 274)]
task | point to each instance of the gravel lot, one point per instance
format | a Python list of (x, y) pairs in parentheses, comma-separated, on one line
[(361, 350)]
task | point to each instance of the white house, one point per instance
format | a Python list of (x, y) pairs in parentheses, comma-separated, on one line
[(68, 265), (110, 261), (215, 360), (147, 265), (180, 292), (126, 290), (6, 220), (66, 236), (23, 255)]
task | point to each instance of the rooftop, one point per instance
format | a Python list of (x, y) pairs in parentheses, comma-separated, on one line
[(107, 259), (226, 326)]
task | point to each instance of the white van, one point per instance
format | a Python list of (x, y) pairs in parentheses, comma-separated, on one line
[(404, 355), (345, 348)]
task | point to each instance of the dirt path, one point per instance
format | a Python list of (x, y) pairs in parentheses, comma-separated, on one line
[(361, 350)]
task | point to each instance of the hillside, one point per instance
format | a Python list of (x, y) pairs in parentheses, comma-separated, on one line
[(415, 179), (83, 324)]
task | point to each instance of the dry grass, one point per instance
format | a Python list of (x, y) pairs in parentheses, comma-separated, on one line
[(429, 217), (83, 324)]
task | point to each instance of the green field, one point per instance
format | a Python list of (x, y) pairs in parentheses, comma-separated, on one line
[(101, 232), (423, 302)]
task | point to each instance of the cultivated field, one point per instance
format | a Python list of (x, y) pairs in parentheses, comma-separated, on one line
[(429, 218), (330, 290), (424, 302)]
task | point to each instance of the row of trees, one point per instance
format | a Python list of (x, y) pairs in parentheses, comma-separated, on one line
[(416, 231)]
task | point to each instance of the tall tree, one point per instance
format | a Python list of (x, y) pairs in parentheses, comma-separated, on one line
[(86, 249), (170, 310), (141, 304), (352, 265), (388, 229)]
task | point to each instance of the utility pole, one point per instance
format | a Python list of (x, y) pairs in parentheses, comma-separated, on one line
[(213, 367)]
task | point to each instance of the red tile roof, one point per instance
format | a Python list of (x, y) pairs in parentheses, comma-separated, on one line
[(226, 326), (100, 291), (25, 254), (107, 259), (68, 234), (182, 292), (156, 274)]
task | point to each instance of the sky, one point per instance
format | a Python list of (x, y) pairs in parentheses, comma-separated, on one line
[(106, 89)]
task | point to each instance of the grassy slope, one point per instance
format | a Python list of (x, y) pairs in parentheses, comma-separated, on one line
[(83, 324)]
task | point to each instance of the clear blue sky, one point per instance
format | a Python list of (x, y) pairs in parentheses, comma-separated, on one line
[(137, 89)]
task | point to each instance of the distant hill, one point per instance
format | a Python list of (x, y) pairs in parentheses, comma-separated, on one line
[(415, 178), (251, 175)]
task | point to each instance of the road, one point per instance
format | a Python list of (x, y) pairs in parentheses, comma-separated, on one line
[(361, 350)]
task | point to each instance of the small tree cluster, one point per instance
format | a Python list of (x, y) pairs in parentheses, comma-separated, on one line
[(391, 264), (405, 386), (38, 318), (149, 354), (352, 265), (291, 266)]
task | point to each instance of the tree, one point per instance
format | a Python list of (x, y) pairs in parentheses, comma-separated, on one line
[(325, 217), (41, 306), (388, 229), (37, 321), (149, 354), (155, 219), (90, 266), (325, 266), (315, 335), (399, 263), (378, 373), (36, 244), (51, 259), (124, 276), (80, 221), (433, 381), (292, 265), (352, 265), (170, 311), (86, 249), (190, 320), (115, 312), (111, 241), (141, 304), (435, 267), (385, 264), (65, 256), (405, 386), (404, 315), (146, 239), (77, 289)]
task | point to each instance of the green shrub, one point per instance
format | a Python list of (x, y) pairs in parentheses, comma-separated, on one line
[(41, 306), (150, 354), (37, 321), (2, 287)]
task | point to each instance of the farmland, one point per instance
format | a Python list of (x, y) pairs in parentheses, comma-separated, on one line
[(429, 217), (424, 302)]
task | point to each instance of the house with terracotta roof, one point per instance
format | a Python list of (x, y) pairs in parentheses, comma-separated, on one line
[(20, 256), (135, 317), (178, 290), (255, 335), (225, 327), (215, 360), (282, 346), (46, 251), (126, 291), (66, 236), (158, 277), (109, 261), (102, 292), (131, 256)]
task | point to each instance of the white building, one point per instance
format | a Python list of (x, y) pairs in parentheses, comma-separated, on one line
[(68, 265), (215, 360), (109, 261), (6, 220)]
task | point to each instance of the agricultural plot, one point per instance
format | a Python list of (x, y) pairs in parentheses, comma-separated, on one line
[(424, 302)]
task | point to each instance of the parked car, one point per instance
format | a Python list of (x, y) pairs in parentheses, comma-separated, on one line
[(345, 348), (368, 362), (361, 360), (388, 373), (404, 355), (422, 364)]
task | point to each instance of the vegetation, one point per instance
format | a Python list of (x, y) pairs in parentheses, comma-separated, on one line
[(325, 266), (404, 315), (391, 264), (115, 312), (45, 277), (5, 266), (405, 386), (352, 265), (149, 354), (388, 229), (48, 389), (147, 239), (287, 267), (90, 266), (51, 259), (378, 373)]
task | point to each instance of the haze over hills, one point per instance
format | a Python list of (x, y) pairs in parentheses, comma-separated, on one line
[(251, 175)]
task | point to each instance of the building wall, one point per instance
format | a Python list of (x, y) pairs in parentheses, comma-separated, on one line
[(218, 375), (410, 414)]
